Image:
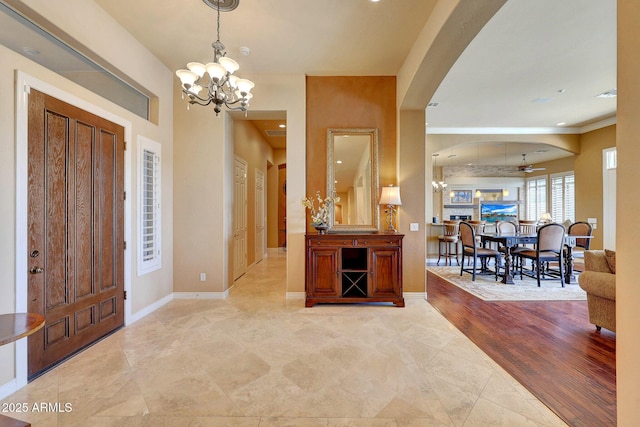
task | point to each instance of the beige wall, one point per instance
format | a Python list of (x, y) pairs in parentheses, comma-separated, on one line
[(134, 60), (628, 206), (350, 102), (204, 187), (588, 173), (250, 145), (412, 183)]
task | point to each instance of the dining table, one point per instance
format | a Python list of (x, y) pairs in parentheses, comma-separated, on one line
[(512, 240)]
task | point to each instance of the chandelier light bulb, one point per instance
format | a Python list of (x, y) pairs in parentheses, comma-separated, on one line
[(195, 89)]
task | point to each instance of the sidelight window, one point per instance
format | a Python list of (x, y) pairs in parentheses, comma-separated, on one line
[(149, 223)]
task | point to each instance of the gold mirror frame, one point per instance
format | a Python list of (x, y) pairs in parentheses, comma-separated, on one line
[(374, 223)]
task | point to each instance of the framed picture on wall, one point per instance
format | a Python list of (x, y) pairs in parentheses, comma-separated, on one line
[(461, 197)]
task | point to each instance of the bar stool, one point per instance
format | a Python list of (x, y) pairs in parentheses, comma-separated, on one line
[(449, 237)]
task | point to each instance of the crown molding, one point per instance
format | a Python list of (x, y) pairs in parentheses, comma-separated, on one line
[(521, 130)]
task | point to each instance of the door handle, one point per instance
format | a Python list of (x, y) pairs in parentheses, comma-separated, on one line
[(36, 270)]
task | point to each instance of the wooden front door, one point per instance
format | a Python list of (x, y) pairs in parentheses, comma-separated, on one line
[(76, 228)]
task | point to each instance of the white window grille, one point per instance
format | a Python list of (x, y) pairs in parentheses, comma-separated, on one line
[(536, 197), (149, 207), (563, 197)]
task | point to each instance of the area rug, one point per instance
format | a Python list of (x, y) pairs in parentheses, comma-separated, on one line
[(489, 289)]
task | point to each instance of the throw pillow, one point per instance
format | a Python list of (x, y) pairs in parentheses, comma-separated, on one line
[(611, 259)]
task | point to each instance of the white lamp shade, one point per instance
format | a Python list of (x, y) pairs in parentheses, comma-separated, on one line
[(216, 71), (244, 85), (196, 67), (390, 196), (187, 77), (233, 81), (229, 64)]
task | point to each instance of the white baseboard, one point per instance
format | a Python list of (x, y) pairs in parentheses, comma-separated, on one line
[(296, 295), (9, 388), (201, 295), (414, 295), (149, 309)]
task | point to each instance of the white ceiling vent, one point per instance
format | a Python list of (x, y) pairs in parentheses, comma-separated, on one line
[(276, 132), (433, 104)]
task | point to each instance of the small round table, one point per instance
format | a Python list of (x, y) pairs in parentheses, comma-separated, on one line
[(14, 326)]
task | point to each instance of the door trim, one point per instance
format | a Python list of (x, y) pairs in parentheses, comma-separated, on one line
[(24, 82)]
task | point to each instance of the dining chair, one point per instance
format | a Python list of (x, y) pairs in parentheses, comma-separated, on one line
[(471, 251), (448, 242), (579, 228), (549, 248), (525, 226), (505, 227), (478, 227)]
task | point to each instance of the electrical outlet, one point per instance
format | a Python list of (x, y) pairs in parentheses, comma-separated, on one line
[(414, 226), (203, 277)]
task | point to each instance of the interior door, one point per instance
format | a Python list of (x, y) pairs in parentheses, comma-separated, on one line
[(75, 228), (260, 217), (239, 218)]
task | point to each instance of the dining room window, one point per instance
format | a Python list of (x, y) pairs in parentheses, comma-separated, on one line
[(563, 197), (536, 195)]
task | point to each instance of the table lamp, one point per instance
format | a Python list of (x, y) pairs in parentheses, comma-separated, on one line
[(390, 196)]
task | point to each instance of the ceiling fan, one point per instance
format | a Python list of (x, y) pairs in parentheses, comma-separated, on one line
[(527, 168)]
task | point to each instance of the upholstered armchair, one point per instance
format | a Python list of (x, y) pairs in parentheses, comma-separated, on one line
[(599, 282)]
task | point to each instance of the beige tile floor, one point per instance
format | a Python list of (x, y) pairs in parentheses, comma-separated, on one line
[(257, 359)]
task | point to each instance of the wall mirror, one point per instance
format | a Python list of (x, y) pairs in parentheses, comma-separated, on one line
[(352, 175)]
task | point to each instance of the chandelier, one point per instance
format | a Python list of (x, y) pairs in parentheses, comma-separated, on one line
[(222, 87), (438, 185)]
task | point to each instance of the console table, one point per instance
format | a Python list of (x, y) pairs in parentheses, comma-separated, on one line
[(353, 268)]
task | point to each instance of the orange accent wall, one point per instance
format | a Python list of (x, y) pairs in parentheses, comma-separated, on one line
[(350, 102)]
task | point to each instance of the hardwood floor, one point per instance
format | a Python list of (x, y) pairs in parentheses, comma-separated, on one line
[(549, 347)]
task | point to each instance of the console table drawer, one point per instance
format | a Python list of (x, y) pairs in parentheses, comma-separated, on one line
[(391, 241), (331, 242)]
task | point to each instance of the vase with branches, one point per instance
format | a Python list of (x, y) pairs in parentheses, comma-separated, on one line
[(319, 208)]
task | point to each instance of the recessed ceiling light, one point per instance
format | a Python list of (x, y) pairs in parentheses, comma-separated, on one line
[(561, 123), (339, 162)]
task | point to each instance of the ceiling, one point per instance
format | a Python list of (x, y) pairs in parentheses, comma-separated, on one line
[(535, 64)]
